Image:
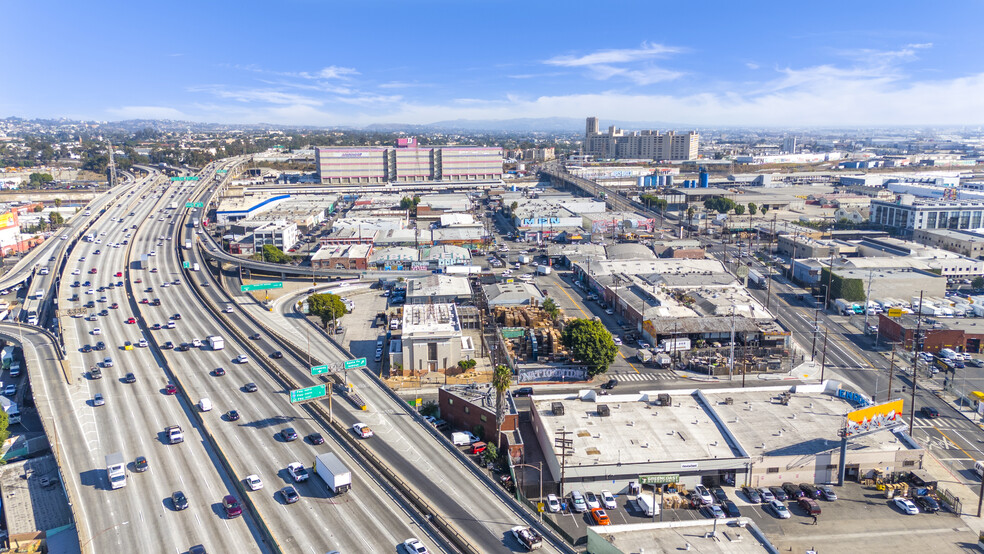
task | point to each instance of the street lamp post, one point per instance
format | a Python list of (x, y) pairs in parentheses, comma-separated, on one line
[(539, 470)]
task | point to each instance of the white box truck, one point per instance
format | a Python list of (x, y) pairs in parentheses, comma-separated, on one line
[(844, 307), (333, 472), (195, 267), (646, 504), (215, 342), (187, 245), (543, 269), (116, 470), (679, 344)]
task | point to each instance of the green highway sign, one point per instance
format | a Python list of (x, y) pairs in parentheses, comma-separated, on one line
[(199, 204), (222, 171), (189, 205), (262, 286), (309, 393), (319, 369), (663, 479), (192, 178), (186, 264), (356, 363)]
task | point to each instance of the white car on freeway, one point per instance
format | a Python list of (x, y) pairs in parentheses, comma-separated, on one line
[(254, 482)]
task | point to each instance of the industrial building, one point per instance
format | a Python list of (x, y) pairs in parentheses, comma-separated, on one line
[(908, 214), (342, 256), (639, 145), (965, 243), (754, 436), (407, 163), (282, 234)]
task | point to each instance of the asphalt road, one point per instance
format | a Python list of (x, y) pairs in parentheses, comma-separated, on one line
[(367, 519), (139, 517), (423, 461)]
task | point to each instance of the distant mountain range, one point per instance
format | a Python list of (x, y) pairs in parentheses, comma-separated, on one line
[(551, 125)]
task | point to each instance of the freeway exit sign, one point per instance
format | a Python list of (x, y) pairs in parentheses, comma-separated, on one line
[(222, 171), (189, 205), (309, 393), (262, 286), (663, 479), (192, 178), (199, 205), (320, 369), (186, 264), (356, 363)]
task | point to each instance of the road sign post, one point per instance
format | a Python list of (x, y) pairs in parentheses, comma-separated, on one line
[(356, 363), (309, 393), (262, 286)]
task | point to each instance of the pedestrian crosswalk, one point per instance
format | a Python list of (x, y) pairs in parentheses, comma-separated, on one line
[(666, 375), (946, 424)]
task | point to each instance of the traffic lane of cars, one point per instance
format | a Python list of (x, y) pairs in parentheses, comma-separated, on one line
[(376, 509), (132, 407)]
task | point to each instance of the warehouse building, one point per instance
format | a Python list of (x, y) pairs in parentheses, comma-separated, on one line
[(432, 339), (754, 436), (438, 288), (406, 164)]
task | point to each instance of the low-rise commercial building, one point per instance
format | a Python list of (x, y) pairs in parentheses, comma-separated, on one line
[(282, 234), (445, 255), (513, 294), (342, 256), (438, 288), (431, 339), (965, 243)]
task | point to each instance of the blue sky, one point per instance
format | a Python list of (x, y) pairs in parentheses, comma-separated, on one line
[(311, 62)]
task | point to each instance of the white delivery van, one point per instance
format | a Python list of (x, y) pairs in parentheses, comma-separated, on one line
[(646, 504), (205, 405)]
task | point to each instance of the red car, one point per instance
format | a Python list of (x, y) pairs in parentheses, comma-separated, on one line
[(144, 301), (138, 281), (131, 320), (114, 306), (119, 273), (232, 506), (93, 271), (170, 388)]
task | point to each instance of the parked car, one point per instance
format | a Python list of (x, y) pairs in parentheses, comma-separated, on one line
[(719, 494), (705, 495), (780, 509), (792, 491), (810, 505), (928, 504), (752, 495), (827, 493), (810, 490), (608, 500), (779, 493), (712, 511), (766, 495), (731, 509), (577, 502), (553, 503), (592, 500), (906, 506)]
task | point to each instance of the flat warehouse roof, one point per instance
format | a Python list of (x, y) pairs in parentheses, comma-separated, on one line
[(636, 431), (807, 425)]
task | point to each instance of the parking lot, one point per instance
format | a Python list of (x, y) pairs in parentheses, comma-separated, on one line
[(862, 519)]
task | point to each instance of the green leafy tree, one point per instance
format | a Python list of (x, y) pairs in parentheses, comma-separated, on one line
[(764, 209), (551, 308), (275, 255), (58, 202), (38, 180), (38, 209), (501, 379), (409, 203), (739, 209), (752, 208), (4, 432), (513, 207), (719, 204), (327, 306), (56, 219), (491, 454), (591, 343)]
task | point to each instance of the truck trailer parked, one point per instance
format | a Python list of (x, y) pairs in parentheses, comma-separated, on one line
[(333, 472)]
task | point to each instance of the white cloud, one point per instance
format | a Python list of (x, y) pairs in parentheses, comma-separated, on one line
[(331, 72), (751, 65), (645, 51), (269, 96), (147, 112)]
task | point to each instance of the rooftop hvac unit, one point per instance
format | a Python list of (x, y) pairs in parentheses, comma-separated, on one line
[(603, 410), (663, 399), (557, 408)]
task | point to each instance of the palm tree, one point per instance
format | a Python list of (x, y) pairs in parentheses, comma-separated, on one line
[(501, 379)]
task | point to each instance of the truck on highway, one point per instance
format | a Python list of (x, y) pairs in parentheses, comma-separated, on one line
[(215, 342), (174, 434), (333, 472), (32, 317), (116, 470), (527, 537), (7, 356), (143, 261), (11, 409), (543, 269), (196, 267), (525, 258), (679, 344), (187, 245), (173, 205)]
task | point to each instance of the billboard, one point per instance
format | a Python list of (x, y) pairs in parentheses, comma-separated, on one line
[(8, 220), (872, 418)]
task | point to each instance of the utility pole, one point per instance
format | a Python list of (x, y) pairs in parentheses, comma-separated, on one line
[(891, 371), (867, 299), (915, 360), (565, 446), (830, 278), (823, 358)]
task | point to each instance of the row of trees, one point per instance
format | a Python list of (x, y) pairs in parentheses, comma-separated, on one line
[(724, 205)]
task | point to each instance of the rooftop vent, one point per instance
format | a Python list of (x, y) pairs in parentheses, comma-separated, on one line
[(603, 410)]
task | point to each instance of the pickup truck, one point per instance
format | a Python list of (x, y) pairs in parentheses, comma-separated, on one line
[(174, 434)]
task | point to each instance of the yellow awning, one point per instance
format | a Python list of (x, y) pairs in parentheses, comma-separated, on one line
[(977, 395)]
